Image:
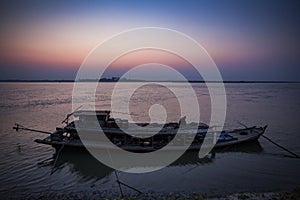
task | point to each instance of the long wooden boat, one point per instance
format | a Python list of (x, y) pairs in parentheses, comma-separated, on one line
[(68, 137)]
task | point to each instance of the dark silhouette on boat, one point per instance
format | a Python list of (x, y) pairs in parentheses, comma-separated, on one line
[(68, 137)]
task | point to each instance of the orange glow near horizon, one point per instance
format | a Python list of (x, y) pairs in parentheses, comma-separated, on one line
[(140, 57), (46, 49), (58, 45)]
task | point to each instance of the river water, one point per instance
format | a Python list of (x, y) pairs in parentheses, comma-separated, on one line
[(27, 169)]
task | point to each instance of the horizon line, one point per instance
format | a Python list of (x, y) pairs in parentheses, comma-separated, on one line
[(129, 80)]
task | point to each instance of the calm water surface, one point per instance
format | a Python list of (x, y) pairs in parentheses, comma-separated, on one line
[(25, 167)]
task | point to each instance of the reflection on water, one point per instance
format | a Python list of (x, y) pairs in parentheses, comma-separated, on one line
[(82, 162)]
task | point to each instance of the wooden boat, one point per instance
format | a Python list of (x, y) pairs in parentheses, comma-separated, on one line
[(68, 137)]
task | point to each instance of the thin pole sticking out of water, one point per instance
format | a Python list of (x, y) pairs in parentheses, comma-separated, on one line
[(56, 158), (118, 180), (121, 183)]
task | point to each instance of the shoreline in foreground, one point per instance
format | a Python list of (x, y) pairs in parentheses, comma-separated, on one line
[(268, 195)]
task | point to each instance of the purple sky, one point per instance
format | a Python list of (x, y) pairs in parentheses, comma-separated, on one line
[(248, 40)]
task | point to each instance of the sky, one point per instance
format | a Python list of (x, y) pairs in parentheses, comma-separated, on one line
[(248, 40)]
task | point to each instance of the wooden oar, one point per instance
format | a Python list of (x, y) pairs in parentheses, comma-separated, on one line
[(18, 127)]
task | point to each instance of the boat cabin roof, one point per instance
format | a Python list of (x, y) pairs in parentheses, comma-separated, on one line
[(91, 113)]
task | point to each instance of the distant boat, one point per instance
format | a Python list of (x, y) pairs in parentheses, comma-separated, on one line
[(68, 137)]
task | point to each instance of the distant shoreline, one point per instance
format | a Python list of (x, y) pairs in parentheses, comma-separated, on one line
[(109, 81)]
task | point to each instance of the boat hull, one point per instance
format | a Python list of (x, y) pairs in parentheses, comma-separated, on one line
[(241, 136)]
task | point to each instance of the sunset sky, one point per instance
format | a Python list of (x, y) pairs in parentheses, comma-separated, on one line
[(248, 40)]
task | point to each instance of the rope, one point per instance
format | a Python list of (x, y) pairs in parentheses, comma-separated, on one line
[(294, 154), (278, 145)]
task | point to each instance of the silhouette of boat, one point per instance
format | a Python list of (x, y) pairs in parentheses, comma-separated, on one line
[(144, 137)]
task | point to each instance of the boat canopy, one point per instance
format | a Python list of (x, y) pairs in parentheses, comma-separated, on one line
[(91, 113), (87, 115)]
